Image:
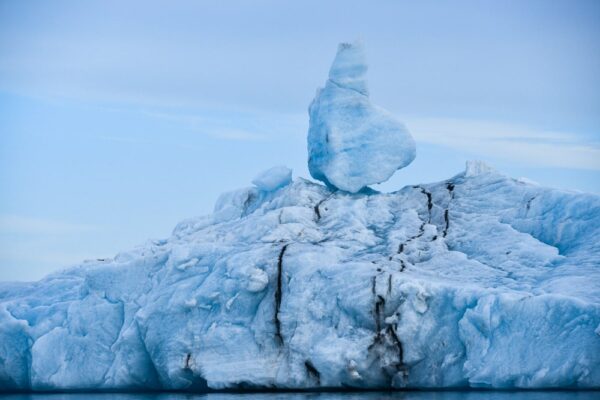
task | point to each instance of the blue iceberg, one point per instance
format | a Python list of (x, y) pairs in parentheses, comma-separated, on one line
[(477, 281)]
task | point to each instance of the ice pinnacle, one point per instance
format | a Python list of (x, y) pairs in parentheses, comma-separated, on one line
[(353, 143)]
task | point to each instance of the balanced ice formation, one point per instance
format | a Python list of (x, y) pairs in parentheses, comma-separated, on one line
[(351, 142), (477, 281)]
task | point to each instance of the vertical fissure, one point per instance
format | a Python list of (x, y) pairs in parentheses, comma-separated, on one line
[(278, 294), (450, 187), (386, 337), (317, 207), (394, 335), (447, 220), (312, 372), (429, 203)]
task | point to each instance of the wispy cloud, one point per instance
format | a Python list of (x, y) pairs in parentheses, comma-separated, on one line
[(122, 139), (509, 142), (16, 224), (214, 127)]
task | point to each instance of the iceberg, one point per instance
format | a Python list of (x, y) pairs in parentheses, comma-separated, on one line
[(351, 142), (477, 281)]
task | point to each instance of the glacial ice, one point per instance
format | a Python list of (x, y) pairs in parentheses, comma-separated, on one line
[(273, 178), (351, 142), (477, 281)]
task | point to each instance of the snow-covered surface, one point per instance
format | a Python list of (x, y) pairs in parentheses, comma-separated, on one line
[(351, 142), (481, 281), (273, 178)]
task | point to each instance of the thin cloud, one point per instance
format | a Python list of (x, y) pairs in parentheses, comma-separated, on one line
[(122, 139), (17, 224), (213, 127), (509, 142)]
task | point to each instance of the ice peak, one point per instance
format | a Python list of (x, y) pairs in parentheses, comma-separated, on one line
[(478, 167), (349, 68)]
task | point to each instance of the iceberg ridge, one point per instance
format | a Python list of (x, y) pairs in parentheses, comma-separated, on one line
[(477, 281)]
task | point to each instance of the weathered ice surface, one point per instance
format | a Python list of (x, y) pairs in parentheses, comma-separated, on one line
[(273, 178), (351, 142), (480, 281)]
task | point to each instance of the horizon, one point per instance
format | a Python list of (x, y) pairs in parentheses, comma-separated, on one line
[(118, 121)]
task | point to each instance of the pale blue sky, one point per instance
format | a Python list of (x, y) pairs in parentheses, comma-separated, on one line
[(118, 119)]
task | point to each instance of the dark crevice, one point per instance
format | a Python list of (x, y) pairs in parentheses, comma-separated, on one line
[(447, 219), (421, 232), (429, 200), (386, 338), (188, 361), (422, 226), (278, 294), (318, 242), (379, 308), (196, 382), (529, 203), (378, 311), (312, 372), (317, 208), (391, 330), (317, 211), (450, 187), (429, 203)]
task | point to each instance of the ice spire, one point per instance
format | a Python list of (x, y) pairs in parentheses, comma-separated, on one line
[(351, 142)]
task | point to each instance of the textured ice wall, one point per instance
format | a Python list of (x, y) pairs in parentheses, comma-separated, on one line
[(480, 281), (351, 142)]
